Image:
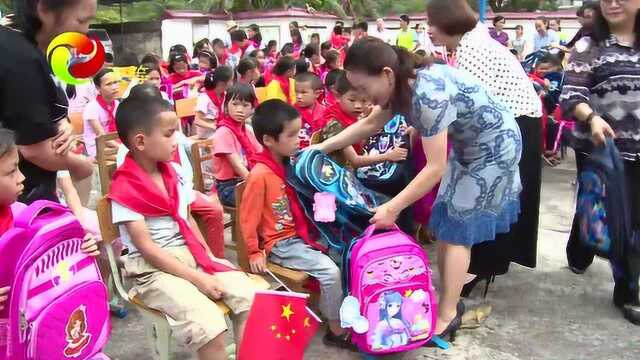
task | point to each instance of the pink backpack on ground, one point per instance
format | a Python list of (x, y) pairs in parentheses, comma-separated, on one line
[(391, 305), (58, 304)]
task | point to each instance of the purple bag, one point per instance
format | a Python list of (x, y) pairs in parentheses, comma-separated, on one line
[(391, 305), (58, 304)]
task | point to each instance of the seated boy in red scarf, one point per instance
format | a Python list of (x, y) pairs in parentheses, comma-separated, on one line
[(274, 225), (10, 188), (349, 107), (174, 271), (308, 91)]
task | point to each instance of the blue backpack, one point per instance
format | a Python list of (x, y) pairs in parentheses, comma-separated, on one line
[(314, 171), (603, 210)]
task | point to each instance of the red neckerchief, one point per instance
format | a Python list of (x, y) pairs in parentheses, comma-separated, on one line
[(313, 116), (338, 41), (239, 130), (133, 188), (176, 78), (284, 85), (216, 100), (329, 98), (235, 49), (110, 110), (6, 219), (299, 218), (335, 112), (222, 60)]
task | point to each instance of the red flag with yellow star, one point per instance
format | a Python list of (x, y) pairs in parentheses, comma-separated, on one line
[(279, 327)]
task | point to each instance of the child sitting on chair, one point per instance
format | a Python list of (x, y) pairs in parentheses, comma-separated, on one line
[(274, 225), (209, 103), (173, 270), (99, 115), (308, 91), (234, 144), (10, 188), (349, 107)]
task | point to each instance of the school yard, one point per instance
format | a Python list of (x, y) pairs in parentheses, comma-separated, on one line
[(546, 313)]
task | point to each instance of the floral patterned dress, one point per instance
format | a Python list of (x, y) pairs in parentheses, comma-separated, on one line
[(479, 194)]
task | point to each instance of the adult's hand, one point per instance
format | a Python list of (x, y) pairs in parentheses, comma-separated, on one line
[(600, 130), (385, 216), (62, 143)]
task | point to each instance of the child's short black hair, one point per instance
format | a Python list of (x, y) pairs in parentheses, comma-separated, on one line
[(271, 117), (287, 49), (325, 46), (332, 56), (138, 113), (97, 78), (316, 83), (302, 66), (405, 18), (174, 58), (7, 141), (283, 65), (310, 50), (144, 91), (220, 74), (246, 64), (343, 85), (241, 92), (362, 26), (238, 36), (217, 42), (332, 77), (550, 59)]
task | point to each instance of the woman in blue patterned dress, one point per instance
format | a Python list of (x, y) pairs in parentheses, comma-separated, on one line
[(478, 195)]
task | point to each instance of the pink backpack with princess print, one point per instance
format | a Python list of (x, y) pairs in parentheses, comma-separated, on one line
[(58, 304), (391, 305)]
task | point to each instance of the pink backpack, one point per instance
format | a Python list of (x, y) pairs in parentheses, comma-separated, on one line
[(391, 305), (58, 304)]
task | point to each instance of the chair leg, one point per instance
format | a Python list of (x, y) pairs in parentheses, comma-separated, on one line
[(158, 335)]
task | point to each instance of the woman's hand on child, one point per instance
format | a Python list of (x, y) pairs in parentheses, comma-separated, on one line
[(397, 154), (385, 216), (319, 147), (4, 295), (209, 286), (258, 264), (90, 245)]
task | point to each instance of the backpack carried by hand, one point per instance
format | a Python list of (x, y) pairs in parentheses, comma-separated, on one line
[(603, 210), (387, 177), (391, 303), (58, 304)]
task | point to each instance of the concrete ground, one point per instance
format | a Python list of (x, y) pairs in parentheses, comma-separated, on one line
[(542, 313)]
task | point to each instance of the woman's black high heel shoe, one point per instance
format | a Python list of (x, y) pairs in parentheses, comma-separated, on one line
[(449, 334), (468, 287)]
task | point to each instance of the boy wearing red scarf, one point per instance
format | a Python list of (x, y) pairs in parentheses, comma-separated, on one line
[(349, 107), (239, 43), (308, 91), (174, 271), (274, 225)]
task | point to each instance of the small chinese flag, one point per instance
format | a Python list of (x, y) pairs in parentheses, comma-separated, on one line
[(279, 327)]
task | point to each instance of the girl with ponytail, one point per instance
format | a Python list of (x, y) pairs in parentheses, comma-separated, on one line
[(479, 193)]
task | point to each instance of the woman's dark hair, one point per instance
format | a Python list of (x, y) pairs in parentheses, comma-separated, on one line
[(296, 37), (199, 46), (175, 58), (238, 35), (295, 24), (151, 58), (97, 78), (28, 20), (271, 117), (246, 64), (591, 5), (602, 32), (372, 55), (332, 56), (212, 59), (453, 17), (272, 44), (7, 141), (257, 37), (337, 30), (497, 19), (220, 74), (332, 77), (302, 66), (343, 85), (310, 50), (287, 49), (241, 92), (315, 35), (283, 65)]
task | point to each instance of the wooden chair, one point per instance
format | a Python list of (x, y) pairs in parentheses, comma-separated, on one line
[(295, 280), (77, 122), (186, 107), (156, 325), (106, 157)]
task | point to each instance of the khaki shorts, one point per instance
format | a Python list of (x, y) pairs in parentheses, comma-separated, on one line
[(193, 317)]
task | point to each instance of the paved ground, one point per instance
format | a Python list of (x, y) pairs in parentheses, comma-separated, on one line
[(546, 313)]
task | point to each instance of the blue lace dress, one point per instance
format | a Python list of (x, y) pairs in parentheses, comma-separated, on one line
[(479, 193)]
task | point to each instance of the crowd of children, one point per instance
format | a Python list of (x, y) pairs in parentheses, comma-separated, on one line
[(259, 106)]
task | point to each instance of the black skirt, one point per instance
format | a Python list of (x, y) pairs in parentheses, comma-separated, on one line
[(521, 243)]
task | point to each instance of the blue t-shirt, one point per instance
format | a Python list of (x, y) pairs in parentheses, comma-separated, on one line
[(539, 42)]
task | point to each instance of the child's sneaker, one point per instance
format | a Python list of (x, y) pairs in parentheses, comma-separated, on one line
[(340, 341)]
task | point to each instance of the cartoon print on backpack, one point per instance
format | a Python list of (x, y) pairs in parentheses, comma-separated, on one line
[(393, 270), (392, 331), (77, 336)]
